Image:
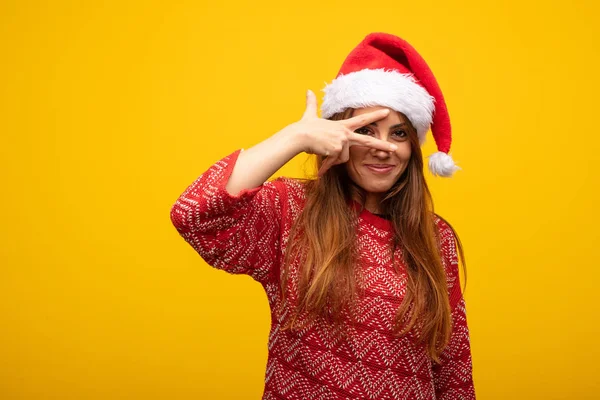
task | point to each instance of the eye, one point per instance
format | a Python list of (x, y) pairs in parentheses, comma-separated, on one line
[(401, 134), (362, 131)]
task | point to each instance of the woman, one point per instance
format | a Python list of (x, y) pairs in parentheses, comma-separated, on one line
[(361, 275)]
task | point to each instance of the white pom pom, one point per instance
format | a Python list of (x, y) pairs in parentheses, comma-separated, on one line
[(442, 164)]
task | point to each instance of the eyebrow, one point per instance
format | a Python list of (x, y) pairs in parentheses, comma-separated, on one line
[(391, 127)]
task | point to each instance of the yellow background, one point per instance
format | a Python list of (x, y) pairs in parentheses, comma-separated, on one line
[(110, 109)]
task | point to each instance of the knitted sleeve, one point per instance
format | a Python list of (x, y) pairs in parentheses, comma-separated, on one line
[(238, 234), (453, 378)]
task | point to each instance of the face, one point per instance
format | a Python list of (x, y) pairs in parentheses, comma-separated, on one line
[(374, 170)]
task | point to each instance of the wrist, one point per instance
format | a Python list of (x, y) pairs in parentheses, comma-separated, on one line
[(294, 138)]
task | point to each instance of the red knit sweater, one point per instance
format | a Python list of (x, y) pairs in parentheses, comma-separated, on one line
[(247, 234)]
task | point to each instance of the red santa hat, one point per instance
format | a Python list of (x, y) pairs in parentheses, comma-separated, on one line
[(385, 70)]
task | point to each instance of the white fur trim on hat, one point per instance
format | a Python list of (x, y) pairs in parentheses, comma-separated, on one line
[(442, 164), (378, 87)]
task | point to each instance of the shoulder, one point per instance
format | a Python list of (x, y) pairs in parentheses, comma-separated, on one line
[(289, 183), (445, 231), (291, 186), (291, 190), (449, 254), (447, 242), (286, 185)]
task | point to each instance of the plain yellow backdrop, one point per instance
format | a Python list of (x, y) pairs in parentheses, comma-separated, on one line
[(110, 109)]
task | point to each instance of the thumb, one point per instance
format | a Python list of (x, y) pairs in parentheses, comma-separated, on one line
[(311, 105)]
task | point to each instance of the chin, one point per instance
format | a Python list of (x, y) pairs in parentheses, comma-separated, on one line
[(372, 183), (373, 187)]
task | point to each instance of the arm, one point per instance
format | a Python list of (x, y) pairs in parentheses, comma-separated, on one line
[(453, 376), (231, 216), (255, 165)]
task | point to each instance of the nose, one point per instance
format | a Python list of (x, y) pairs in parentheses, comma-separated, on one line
[(382, 154)]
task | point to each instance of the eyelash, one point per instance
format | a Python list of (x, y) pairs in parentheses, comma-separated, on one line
[(359, 129)]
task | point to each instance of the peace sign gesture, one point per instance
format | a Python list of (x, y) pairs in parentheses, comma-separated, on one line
[(333, 139)]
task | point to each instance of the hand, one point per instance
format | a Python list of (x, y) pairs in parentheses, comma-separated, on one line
[(333, 139)]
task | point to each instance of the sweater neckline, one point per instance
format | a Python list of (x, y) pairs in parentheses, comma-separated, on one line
[(370, 217)]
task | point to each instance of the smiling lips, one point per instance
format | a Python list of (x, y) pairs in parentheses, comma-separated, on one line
[(380, 168)]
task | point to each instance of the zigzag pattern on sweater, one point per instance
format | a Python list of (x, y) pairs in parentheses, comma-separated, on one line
[(248, 234)]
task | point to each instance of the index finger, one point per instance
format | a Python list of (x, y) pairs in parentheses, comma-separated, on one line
[(365, 119), (364, 140)]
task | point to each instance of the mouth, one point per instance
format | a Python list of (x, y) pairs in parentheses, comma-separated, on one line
[(380, 168)]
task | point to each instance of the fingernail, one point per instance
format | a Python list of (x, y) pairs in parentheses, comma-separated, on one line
[(393, 147)]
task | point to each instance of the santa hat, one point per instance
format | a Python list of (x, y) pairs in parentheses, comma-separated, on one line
[(385, 70)]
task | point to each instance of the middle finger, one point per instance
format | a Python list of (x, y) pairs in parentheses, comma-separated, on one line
[(364, 119)]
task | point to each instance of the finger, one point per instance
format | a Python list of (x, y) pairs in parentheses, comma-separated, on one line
[(345, 154), (365, 119), (369, 141), (327, 163), (324, 168), (311, 105)]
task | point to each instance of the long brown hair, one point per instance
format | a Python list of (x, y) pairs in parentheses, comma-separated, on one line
[(324, 239)]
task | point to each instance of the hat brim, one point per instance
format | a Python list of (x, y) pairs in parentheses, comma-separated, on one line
[(380, 87)]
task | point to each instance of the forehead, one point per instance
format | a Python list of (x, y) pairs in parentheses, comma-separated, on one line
[(393, 117)]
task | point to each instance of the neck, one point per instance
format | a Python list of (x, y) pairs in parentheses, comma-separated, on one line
[(372, 203)]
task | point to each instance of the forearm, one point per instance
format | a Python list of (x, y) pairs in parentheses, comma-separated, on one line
[(257, 164)]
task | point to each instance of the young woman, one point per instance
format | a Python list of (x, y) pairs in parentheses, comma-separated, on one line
[(361, 275)]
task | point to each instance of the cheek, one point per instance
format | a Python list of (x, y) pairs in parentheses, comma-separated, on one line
[(357, 154), (404, 152)]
